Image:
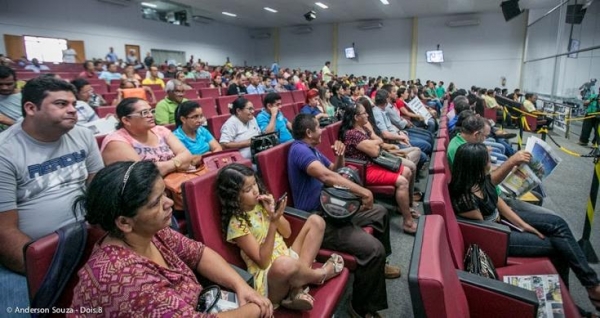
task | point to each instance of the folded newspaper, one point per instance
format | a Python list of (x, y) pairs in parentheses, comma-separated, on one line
[(527, 176), (418, 108), (547, 290), (102, 126)]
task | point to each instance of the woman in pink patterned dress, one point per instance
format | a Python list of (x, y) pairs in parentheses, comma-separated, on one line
[(142, 268)]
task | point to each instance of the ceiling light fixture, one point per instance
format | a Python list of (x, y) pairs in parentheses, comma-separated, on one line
[(150, 5), (321, 5), (270, 10), (385, 2), (229, 14)]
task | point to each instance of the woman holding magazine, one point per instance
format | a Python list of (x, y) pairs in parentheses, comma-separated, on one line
[(533, 234)]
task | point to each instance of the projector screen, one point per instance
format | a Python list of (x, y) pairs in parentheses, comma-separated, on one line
[(350, 54), (435, 56)]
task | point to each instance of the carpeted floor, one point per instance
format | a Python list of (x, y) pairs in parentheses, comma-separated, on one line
[(567, 192)]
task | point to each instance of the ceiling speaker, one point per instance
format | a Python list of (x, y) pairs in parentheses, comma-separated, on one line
[(510, 9), (575, 13)]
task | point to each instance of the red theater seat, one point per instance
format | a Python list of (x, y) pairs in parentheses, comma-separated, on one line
[(215, 123), (299, 96), (286, 98), (209, 107), (255, 100), (203, 214), (437, 289), (209, 92), (223, 104), (102, 111), (38, 257)]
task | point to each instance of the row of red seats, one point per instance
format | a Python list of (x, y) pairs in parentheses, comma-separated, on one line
[(219, 105), (440, 246)]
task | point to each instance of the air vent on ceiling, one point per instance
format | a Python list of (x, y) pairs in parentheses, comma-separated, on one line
[(463, 22), (370, 25), (260, 34), (302, 30), (202, 19), (123, 3)]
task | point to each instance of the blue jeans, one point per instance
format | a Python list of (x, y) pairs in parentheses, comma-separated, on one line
[(508, 149), (559, 240), (13, 291), (420, 133), (435, 104)]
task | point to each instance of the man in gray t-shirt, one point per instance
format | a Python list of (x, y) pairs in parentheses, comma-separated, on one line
[(45, 163), (10, 99)]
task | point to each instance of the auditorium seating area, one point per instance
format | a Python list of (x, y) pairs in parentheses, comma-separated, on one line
[(438, 284)]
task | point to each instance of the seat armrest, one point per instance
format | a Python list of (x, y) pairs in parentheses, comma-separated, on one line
[(491, 298), (301, 214), (246, 276), (491, 237)]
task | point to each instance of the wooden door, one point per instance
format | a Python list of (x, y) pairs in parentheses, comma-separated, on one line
[(79, 47), (14, 46), (136, 48)]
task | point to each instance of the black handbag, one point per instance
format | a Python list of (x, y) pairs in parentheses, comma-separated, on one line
[(263, 142), (388, 160), (339, 204), (324, 121), (479, 263)]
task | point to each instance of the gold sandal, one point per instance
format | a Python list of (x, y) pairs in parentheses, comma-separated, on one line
[(338, 264)]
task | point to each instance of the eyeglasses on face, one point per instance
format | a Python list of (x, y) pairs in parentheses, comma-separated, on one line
[(251, 109), (143, 113)]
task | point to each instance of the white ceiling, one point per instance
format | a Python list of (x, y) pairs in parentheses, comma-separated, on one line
[(250, 13)]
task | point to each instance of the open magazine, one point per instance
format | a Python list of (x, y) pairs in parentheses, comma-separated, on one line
[(418, 108), (527, 176), (547, 290)]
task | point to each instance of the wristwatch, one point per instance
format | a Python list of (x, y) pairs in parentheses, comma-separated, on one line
[(177, 164)]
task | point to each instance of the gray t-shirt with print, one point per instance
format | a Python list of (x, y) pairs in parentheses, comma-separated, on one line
[(42, 179)]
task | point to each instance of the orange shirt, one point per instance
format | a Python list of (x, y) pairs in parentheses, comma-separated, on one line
[(134, 92)]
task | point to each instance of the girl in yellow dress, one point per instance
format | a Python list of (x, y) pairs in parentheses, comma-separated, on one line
[(251, 220)]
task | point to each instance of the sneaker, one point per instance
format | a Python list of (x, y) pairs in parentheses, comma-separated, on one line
[(392, 272)]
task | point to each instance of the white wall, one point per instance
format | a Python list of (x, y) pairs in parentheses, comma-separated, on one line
[(306, 51), (474, 55), (102, 25), (384, 51), (549, 37)]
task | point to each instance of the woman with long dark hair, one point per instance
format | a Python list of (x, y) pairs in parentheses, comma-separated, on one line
[(474, 196), (363, 144)]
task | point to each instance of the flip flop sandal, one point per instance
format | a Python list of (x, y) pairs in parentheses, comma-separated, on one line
[(418, 196), (301, 301), (412, 230), (415, 214), (337, 262)]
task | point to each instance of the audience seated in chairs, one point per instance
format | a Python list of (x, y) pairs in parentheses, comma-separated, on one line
[(237, 85), (153, 77), (143, 267), (110, 73), (130, 75), (255, 222), (308, 171), (474, 196), (180, 76), (529, 106), (10, 98), (37, 201), (190, 120), (312, 105), (139, 138), (362, 144), (240, 127), (165, 109), (414, 119), (85, 113), (271, 119)]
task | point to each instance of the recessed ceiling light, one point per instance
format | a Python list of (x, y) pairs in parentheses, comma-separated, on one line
[(146, 4), (270, 10), (229, 14), (385, 2), (321, 5)]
